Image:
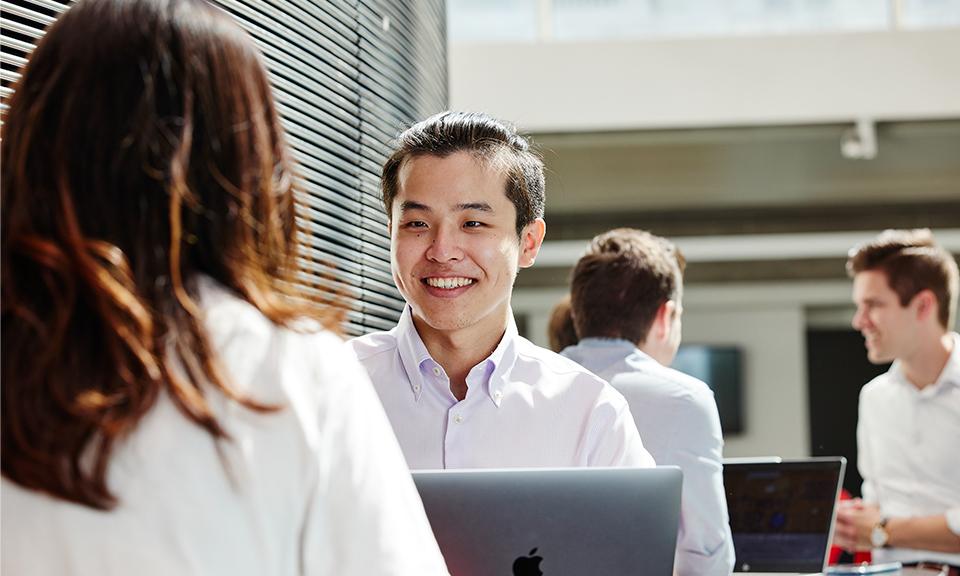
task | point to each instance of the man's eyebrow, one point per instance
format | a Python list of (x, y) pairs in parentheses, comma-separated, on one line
[(480, 206), (408, 205)]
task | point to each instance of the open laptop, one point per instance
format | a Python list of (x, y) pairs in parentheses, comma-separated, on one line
[(782, 512), (554, 522)]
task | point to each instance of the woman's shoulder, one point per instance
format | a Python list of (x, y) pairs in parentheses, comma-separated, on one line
[(224, 311), (250, 343)]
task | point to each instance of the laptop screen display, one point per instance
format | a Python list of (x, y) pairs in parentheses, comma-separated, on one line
[(781, 514)]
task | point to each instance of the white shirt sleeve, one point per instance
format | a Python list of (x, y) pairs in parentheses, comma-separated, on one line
[(953, 520), (705, 544), (365, 517), (864, 457)]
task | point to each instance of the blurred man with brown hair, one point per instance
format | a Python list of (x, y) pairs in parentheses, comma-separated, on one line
[(626, 292), (908, 433)]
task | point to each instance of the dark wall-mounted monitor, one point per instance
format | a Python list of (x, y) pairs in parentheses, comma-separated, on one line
[(721, 367)]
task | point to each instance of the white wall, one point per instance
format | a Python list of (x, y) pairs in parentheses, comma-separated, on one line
[(772, 338), (768, 321), (708, 82)]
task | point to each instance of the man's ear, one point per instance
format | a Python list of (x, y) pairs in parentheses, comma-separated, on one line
[(531, 238), (663, 321), (926, 303)]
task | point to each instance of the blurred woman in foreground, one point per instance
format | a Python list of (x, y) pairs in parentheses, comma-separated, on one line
[(167, 406)]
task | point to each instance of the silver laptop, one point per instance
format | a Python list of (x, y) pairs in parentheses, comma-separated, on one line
[(554, 522), (782, 513)]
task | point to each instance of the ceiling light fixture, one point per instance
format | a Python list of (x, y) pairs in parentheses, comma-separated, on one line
[(860, 141)]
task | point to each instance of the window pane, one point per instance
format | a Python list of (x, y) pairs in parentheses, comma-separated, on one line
[(492, 20), (612, 19), (930, 14)]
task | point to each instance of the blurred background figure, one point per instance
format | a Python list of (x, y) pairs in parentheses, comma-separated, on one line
[(560, 329), (905, 289), (169, 406), (626, 294)]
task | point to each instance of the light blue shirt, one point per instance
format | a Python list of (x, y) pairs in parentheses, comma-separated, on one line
[(525, 407), (678, 420)]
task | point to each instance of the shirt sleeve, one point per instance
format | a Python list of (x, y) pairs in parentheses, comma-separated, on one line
[(612, 435), (365, 517), (953, 520), (864, 456), (705, 544)]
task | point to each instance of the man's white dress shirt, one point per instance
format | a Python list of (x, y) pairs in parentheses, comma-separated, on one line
[(525, 407), (908, 450), (679, 423), (319, 487)]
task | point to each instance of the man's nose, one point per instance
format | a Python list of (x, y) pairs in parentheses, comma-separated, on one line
[(858, 320), (445, 245)]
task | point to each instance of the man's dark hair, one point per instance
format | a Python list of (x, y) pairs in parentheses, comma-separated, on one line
[(489, 140), (621, 282), (912, 261)]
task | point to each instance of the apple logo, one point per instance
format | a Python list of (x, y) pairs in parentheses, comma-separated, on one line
[(528, 565)]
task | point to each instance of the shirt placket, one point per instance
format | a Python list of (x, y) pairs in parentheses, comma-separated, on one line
[(452, 436), (915, 421), (459, 416)]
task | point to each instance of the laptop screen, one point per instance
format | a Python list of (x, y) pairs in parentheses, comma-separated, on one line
[(781, 513)]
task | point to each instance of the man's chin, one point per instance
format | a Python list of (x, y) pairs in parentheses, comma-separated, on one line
[(878, 357), (441, 321)]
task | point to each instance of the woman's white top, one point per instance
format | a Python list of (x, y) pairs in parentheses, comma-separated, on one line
[(319, 487)]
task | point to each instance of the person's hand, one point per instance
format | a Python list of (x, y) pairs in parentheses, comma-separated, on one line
[(855, 522)]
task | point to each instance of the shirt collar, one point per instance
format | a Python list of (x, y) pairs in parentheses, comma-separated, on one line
[(413, 352), (600, 354), (608, 348), (502, 360), (492, 371), (949, 376), (594, 342)]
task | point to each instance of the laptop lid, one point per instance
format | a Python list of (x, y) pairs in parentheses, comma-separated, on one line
[(782, 512), (576, 521)]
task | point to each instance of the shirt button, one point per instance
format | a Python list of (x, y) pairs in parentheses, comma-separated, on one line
[(498, 394), (416, 387), (436, 370), (458, 418)]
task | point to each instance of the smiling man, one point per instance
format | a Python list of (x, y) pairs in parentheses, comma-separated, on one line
[(908, 433), (464, 197)]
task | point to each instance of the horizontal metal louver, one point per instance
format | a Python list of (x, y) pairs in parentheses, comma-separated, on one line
[(348, 76)]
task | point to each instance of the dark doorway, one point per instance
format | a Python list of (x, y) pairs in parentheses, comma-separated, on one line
[(837, 367)]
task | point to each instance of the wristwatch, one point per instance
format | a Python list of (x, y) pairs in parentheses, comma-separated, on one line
[(879, 535)]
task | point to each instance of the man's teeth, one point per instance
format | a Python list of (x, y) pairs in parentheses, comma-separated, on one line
[(449, 283)]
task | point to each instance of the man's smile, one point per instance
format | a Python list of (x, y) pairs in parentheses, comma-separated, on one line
[(447, 283)]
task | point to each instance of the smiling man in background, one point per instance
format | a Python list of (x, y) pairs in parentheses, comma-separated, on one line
[(908, 433), (464, 197)]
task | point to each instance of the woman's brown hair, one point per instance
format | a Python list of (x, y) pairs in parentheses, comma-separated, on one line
[(141, 149)]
